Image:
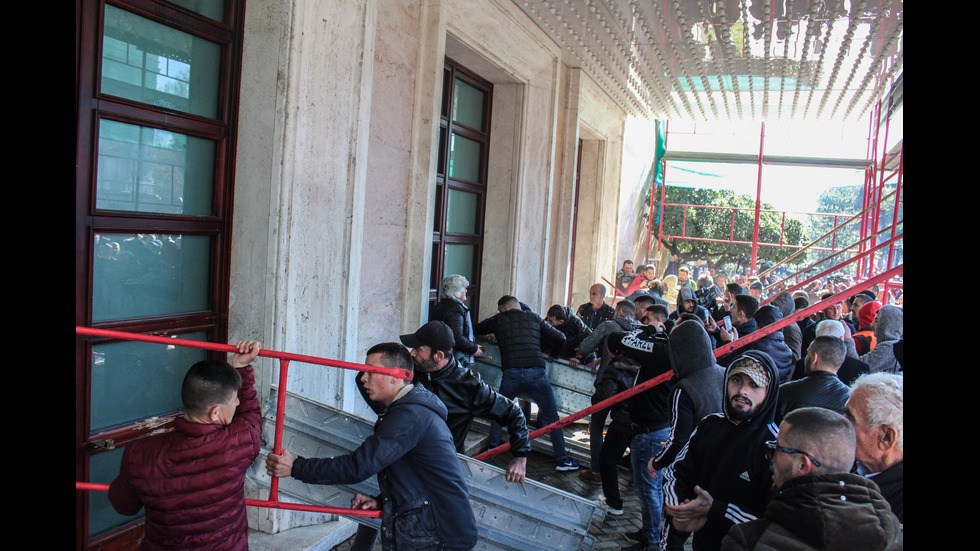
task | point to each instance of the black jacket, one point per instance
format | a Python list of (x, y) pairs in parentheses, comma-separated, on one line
[(592, 317), (520, 335), (650, 409), (466, 395), (424, 498), (455, 314), (818, 389), (575, 331), (728, 460), (618, 377)]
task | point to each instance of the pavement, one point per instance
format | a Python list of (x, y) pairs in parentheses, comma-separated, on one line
[(608, 533)]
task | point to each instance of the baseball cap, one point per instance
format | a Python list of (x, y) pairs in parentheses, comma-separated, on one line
[(435, 334), (752, 369)]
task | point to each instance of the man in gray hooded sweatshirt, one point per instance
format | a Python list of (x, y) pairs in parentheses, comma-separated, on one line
[(888, 330)]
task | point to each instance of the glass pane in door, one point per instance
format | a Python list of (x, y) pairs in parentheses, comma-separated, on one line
[(468, 104), (139, 275), (155, 64), (133, 380), (461, 214), (145, 169), (459, 260), (464, 158)]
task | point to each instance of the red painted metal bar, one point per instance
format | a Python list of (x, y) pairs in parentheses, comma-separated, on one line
[(564, 421), (812, 309), (400, 373), (835, 267), (280, 420), (898, 201), (269, 504), (284, 358)]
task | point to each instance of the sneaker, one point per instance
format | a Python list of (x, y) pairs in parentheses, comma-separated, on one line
[(637, 536), (566, 465), (610, 509), (587, 474)]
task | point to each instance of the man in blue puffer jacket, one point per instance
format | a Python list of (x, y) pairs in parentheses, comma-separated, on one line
[(424, 499)]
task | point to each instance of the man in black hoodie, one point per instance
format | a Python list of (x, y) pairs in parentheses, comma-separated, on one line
[(722, 476)]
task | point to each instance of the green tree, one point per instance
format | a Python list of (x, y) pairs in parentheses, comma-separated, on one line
[(717, 223)]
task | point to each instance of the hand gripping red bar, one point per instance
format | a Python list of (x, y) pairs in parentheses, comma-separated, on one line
[(284, 358)]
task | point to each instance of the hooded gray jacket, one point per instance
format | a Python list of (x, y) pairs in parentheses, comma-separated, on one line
[(888, 331), (699, 384)]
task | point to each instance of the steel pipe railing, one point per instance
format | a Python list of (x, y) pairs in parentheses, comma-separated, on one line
[(284, 359)]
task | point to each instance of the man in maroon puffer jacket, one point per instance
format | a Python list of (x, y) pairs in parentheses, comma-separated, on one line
[(191, 480)]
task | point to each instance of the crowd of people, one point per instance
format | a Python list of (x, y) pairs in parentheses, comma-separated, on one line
[(728, 453)]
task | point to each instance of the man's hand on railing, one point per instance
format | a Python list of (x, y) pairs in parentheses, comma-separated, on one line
[(247, 352), (279, 466)]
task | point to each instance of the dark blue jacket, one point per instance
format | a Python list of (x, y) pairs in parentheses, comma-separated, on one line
[(424, 498)]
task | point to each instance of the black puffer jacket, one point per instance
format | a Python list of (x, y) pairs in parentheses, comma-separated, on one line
[(455, 314), (520, 335)]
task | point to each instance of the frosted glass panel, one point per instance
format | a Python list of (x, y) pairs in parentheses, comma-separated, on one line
[(215, 9), (468, 105), (139, 275), (461, 214), (464, 159), (158, 65), (103, 468), (134, 380), (459, 260), (145, 169)]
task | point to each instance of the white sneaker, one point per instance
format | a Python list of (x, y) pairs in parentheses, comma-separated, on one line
[(610, 509)]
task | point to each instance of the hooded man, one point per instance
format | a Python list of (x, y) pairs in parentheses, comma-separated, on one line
[(792, 334), (864, 339), (888, 330), (722, 477), (687, 303)]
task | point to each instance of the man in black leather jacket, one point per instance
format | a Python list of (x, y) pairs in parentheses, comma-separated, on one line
[(465, 393), (821, 387)]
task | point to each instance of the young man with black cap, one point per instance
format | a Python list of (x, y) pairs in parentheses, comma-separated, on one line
[(465, 394), (722, 476)]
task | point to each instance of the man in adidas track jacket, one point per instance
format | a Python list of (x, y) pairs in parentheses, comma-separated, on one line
[(722, 476)]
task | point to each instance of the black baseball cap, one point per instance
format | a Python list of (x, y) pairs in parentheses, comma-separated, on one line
[(435, 334)]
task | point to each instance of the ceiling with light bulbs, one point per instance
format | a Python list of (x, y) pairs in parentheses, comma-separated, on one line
[(737, 60)]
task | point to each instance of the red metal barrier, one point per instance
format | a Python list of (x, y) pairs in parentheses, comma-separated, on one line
[(564, 421), (284, 358), (718, 352)]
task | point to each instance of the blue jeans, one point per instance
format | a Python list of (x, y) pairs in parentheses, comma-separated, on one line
[(649, 490), (532, 382)]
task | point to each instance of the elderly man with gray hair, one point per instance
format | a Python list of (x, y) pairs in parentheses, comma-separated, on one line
[(876, 410), (452, 310)]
